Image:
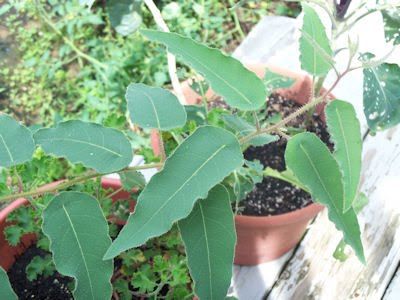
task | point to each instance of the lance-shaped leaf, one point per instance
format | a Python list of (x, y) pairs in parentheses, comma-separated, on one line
[(312, 163), (78, 233), (275, 81), (345, 132), (209, 237), (153, 107), (6, 291), (240, 87), (242, 127), (16, 142), (104, 149), (204, 159), (315, 49), (286, 175), (391, 18), (381, 95)]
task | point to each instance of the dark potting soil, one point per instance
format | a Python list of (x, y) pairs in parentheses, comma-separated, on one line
[(54, 287), (274, 196)]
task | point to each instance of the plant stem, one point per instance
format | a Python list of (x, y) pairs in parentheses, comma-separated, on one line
[(170, 58), (276, 127), (67, 183)]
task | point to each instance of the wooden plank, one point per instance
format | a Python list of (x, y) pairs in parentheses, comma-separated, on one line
[(314, 274), (393, 291)]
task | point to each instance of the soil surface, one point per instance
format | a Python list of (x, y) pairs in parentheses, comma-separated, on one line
[(274, 196), (54, 287)]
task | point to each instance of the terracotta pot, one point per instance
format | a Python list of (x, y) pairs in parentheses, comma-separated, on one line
[(8, 253), (262, 239)]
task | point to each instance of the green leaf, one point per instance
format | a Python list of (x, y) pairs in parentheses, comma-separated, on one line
[(391, 18), (6, 291), (78, 233), (209, 237), (286, 175), (359, 203), (315, 49), (312, 163), (275, 81), (382, 95), (88, 3), (240, 87), (16, 142), (131, 179), (239, 125), (345, 132), (104, 149), (205, 158), (40, 266), (124, 15), (153, 107), (196, 113)]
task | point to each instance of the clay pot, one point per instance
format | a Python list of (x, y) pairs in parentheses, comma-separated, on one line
[(262, 239), (8, 253)]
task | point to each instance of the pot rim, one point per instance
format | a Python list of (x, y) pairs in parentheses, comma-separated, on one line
[(284, 219), (17, 203)]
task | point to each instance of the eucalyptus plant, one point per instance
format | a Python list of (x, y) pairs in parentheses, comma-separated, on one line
[(199, 179)]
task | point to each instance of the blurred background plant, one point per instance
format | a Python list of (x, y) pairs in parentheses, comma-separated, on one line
[(58, 60)]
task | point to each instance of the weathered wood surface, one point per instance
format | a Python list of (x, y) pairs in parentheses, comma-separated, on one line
[(314, 274)]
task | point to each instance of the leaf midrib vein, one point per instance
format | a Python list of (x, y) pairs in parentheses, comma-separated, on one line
[(85, 143), (8, 149), (153, 106), (80, 249), (208, 250)]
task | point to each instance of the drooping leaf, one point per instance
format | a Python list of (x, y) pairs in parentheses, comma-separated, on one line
[(132, 179), (6, 291), (315, 49), (275, 81), (104, 149), (240, 87), (153, 107), (359, 203), (381, 95), (209, 237), (312, 163), (286, 175), (391, 19), (200, 162), (242, 127), (345, 132), (125, 15), (78, 233), (16, 142)]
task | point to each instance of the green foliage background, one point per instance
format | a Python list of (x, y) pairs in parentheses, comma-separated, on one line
[(42, 80)]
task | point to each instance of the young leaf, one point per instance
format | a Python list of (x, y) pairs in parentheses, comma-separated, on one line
[(345, 132), (391, 18), (104, 149), (209, 237), (131, 179), (16, 142), (199, 163), (287, 176), (315, 49), (243, 128), (275, 81), (6, 291), (240, 87), (78, 233), (124, 15), (152, 107), (381, 95), (312, 163)]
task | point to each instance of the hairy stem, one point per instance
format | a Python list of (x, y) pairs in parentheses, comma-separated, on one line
[(67, 183)]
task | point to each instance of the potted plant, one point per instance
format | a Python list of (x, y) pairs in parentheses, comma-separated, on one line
[(203, 170)]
